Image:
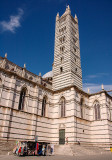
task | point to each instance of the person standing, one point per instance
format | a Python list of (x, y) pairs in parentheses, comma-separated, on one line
[(66, 140)]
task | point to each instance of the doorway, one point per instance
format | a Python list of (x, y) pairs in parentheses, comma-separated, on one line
[(62, 136)]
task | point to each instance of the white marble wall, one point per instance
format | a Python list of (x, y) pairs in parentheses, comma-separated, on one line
[(25, 124)]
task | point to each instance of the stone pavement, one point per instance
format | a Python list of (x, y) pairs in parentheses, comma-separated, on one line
[(107, 156)]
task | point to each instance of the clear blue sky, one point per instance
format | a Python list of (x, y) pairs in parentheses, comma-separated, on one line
[(27, 29)]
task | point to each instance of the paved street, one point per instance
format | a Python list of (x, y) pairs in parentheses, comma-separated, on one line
[(90, 157)]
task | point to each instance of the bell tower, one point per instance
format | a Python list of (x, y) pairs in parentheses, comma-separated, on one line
[(67, 67)]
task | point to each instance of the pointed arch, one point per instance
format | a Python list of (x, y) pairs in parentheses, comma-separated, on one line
[(82, 107), (24, 86), (22, 98), (62, 106)]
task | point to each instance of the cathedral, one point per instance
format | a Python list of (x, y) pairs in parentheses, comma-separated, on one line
[(54, 107)]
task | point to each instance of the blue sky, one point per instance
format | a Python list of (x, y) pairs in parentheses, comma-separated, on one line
[(27, 29)]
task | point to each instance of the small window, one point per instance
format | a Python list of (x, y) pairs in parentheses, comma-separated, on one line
[(75, 69), (61, 69), (62, 30), (62, 49), (62, 39), (75, 59)]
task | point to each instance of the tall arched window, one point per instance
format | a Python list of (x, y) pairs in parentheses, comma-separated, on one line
[(22, 99), (63, 107), (97, 111), (81, 106), (44, 101)]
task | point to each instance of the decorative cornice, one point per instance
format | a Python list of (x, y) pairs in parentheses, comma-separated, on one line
[(102, 91)]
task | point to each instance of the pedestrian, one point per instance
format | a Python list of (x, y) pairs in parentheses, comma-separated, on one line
[(78, 141), (52, 148), (43, 150), (66, 140)]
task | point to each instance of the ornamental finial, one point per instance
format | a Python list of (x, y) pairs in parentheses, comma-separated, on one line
[(102, 86), (24, 65), (88, 90), (5, 55), (40, 74)]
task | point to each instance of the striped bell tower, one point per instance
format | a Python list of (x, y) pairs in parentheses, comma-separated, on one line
[(67, 66)]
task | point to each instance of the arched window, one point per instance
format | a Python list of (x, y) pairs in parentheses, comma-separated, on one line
[(62, 107), (81, 107), (22, 99), (44, 106), (97, 111)]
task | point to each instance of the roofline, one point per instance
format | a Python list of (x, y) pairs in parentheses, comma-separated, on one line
[(19, 66)]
